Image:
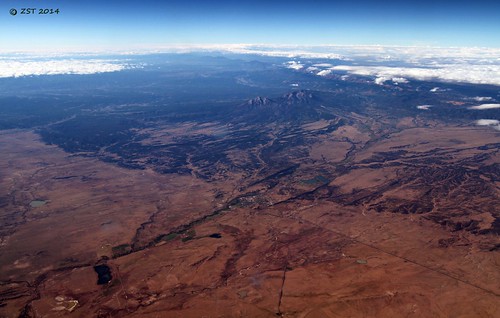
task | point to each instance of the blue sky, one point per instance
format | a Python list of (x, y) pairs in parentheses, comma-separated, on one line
[(97, 25)]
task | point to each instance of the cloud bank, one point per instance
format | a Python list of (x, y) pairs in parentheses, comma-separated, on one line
[(476, 74), (30, 67), (385, 63)]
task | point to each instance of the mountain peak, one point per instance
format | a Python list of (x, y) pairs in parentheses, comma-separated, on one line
[(298, 97), (259, 101)]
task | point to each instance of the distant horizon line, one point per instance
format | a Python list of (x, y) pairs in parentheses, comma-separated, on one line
[(158, 48)]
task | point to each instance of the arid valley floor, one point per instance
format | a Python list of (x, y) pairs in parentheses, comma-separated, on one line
[(399, 237)]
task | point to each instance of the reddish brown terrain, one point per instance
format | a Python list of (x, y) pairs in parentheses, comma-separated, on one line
[(371, 218)]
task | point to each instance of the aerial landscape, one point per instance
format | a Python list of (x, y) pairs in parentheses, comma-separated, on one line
[(196, 176)]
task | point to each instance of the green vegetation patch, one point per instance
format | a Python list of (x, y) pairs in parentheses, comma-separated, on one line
[(120, 250), (189, 235), (37, 203), (315, 180), (169, 237)]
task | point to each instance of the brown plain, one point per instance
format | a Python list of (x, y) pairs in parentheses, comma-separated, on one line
[(302, 249)]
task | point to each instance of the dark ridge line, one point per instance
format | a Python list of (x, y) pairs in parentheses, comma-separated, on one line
[(64, 178), (302, 195), (143, 225), (183, 228), (279, 313), (241, 244), (11, 294), (279, 174), (7, 282)]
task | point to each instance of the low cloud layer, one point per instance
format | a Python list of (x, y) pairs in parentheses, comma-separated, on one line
[(476, 74), (29, 67), (481, 98), (384, 63), (489, 122), (485, 106)]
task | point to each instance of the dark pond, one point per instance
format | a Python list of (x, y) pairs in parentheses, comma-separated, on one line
[(103, 274)]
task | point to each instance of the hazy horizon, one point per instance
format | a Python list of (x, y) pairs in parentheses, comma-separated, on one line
[(129, 24)]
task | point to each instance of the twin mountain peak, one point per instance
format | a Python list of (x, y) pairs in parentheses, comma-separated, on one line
[(292, 98)]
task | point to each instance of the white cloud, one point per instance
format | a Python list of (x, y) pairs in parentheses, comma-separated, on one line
[(399, 80), (489, 122), (294, 65), (29, 67), (413, 54), (477, 74), (485, 106), (323, 65), (424, 107), (481, 99), (381, 80), (466, 65), (324, 72)]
